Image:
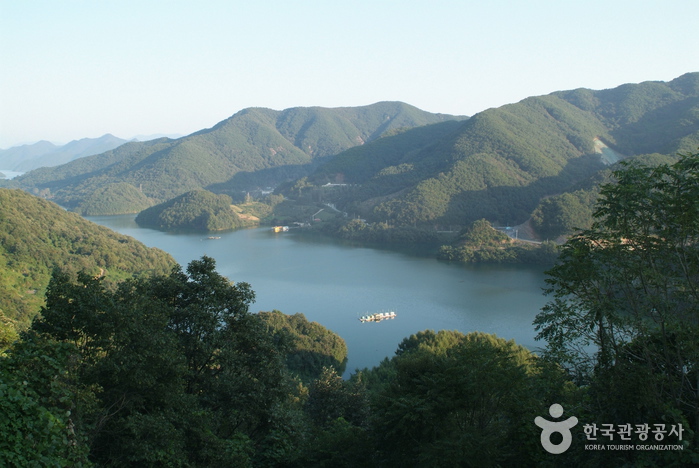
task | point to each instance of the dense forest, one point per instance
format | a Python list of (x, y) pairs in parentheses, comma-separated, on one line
[(481, 243), (172, 369), (116, 198), (37, 236), (254, 147), (198, 210), (309, 345), (542, 156)]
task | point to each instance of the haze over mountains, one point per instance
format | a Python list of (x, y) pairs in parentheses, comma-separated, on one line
[(25, 158), (408, 166)]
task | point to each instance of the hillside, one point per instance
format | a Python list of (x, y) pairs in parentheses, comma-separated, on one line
[(253, 147), (310, 347), (45, 154), (198, 210), (37, 235), (501, 163)]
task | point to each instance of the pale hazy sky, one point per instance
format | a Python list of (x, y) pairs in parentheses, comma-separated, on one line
[(73, 69)]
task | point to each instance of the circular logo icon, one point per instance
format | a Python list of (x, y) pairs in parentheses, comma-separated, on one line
[(550, 427)]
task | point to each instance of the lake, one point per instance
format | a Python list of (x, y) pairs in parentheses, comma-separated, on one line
[(333, 283)]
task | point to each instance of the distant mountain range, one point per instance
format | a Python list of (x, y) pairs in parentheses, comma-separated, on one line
[(255, 146), (399, 164), (25, 158)]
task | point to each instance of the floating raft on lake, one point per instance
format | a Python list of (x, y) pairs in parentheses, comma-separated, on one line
[(377, 317)]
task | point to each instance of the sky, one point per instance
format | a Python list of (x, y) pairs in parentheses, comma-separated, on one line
[(72, 69)]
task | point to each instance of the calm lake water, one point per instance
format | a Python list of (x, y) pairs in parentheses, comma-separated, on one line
[(333, 283)]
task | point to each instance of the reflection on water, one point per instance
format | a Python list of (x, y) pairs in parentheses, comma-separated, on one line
[(334, 283)]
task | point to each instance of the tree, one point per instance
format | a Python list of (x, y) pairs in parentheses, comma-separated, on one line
[(625, 310), (8, 333), (339, 414), (169, 370), (37, 400), (331, 398), (563, 214), (309, 347), (462, 400)]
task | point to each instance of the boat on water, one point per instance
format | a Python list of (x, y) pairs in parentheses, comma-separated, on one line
[(377, 317), (213, 237)]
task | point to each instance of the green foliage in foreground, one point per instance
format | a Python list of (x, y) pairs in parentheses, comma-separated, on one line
[(449, 399), (310, 347), (34, 432), (174, 371), (198, 210), (166, 371), (624, 314), (37, 235)]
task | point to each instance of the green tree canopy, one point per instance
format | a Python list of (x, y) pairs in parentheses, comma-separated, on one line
[(198, 210), (462, 400), (168, 371), (309, 346), (624, 314)]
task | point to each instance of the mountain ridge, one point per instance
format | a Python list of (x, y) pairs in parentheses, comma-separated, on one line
[(406, 166), (501, 162), (250, 141), (43, 153)]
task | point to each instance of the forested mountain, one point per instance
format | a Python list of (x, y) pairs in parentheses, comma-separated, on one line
[(254, 146), (198, 210), (501, 163), (116, 198), (397, 164), (37, 235), (45, 154)]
